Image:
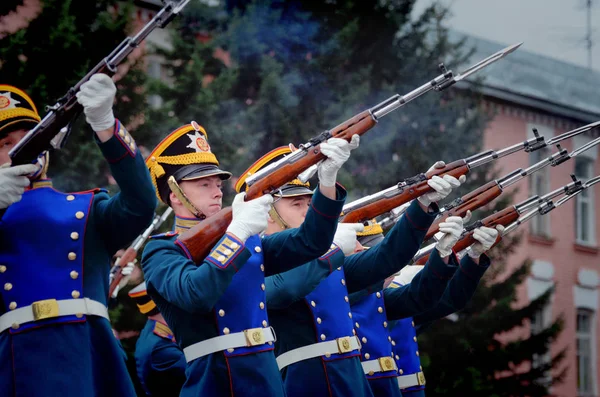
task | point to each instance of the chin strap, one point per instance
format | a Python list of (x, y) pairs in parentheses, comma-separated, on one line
[(277, 218), (174, 186)]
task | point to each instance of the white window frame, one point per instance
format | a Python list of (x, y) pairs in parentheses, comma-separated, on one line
[(585, 198), (540, 225), (592, 356)]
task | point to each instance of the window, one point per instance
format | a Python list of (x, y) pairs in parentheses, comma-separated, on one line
[(585, 373), (539, 185), (154, 72), (585, 232), (539, 322)]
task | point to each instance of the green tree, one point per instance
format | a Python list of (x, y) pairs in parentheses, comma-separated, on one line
[(54, 52)]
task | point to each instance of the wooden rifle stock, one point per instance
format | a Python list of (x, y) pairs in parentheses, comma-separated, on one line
[(410, 192), (504, 218), (200, 239), (469, 202), (128, 256)]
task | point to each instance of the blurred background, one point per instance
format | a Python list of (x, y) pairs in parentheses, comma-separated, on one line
[(260, 74)]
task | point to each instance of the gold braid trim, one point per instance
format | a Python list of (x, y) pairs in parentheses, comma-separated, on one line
[(370, 230), (18, 112)]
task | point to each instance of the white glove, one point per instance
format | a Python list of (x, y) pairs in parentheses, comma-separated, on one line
[(97, 96), (249, 217), (442, 186), (13, 181), (486, 237), (452, 229), (345, 236), (126, 272), (407, 273), (337, 151)]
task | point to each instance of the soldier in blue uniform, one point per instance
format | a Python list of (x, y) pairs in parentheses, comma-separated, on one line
[(401, 334), (55, 252), (316, 348), (217, 308), (160, 362)]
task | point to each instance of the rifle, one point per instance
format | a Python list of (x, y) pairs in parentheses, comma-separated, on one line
[(130, 253), (202, 237), (54, 129), (406, 190), (508, 216), (393, 216)]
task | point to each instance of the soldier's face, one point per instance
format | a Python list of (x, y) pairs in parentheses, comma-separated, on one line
[(293, 209), (8, 142), (205, 193)]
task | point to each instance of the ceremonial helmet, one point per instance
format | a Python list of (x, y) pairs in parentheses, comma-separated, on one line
[(184, 155), (371, 235), (17, 110), (143, 301), (293, 188)]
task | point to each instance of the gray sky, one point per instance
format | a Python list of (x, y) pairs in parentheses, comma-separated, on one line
[(555, 28)]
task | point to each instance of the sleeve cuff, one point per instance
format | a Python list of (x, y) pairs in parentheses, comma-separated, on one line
[(229, 251), (420, 219), (439, 268), (472, 269), (119, 146), (327, 207)]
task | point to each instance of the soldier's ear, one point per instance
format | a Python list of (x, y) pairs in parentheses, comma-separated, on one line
[(174, 200)]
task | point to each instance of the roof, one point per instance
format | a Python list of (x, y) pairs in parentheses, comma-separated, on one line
[(536, 81)]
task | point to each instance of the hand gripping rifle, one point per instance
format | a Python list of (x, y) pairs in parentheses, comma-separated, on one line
[(54, 129), (515, 214), (202, 237), (384, 201), (131, 252)]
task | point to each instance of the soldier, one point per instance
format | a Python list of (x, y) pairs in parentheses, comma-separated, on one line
[(160, 362), (316, 349), (55, 252), (400, 334), (216, 308)]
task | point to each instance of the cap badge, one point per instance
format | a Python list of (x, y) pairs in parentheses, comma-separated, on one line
[(198, 142), (7, 102)]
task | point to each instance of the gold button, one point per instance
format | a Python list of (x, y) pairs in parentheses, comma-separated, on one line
[(323, 337), (413, 323), (261, 305), (12, 306), (354, 331), (2, 269), (122, 135), (230, 350), (390, 338), (421, 368), (270, 343), (227, 252), (72, 256), (371, 373), (262, 286), (380, 309), (415, 338), (364, 340), (8, 286), (313, 304), (74, 275), (346, 299), (221, 312), (226, 331), (257, 249), (264, 323), (75, 294), (417, 353), (327, 355), (262, 267), (70, 197), (339, 268), (401, 372), (397, 357), (378, 294), (350, 314), (15, 326), (79, 315), (79, 215), (393, 343), (357, 325), (234, 246), (127, 139), (319, 320), (343, 282), (385, 324), (221, 258), (367, 356), (74, 236)]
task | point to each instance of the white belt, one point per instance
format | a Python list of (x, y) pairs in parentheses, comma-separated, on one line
[(381, 364), (411, 380), (246, 338), (337, 346), (51, 308)]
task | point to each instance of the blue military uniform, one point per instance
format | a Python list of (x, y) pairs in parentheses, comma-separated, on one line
[(55, 254), (214, 304), (322, 319), (160, 362)]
